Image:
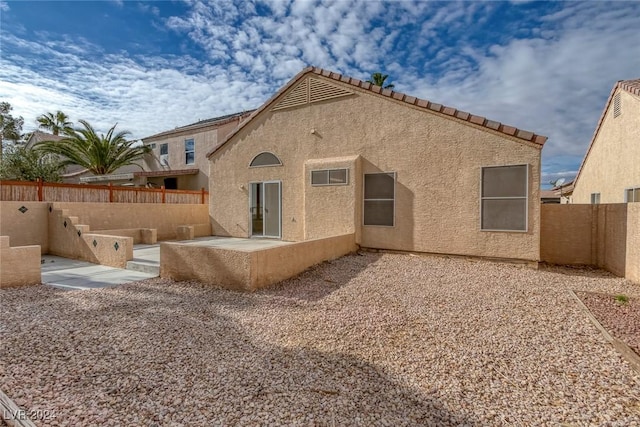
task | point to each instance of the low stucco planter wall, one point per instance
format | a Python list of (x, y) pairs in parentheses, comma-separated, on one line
[(19, 266), (249, 270)]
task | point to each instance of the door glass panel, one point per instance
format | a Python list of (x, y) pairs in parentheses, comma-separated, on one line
[(256, 209), (272, 209)]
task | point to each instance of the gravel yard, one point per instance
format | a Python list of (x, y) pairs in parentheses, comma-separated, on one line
[(364, 340)]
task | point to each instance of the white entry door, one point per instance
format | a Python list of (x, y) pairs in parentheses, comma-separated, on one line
[(265, 200)]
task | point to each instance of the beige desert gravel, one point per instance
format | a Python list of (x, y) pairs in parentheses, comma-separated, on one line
[(365, 340)]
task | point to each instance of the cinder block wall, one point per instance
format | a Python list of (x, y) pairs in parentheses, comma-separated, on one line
[(605, 235)]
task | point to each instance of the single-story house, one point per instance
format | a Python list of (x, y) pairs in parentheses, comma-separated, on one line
[(330, 155), (610, 171)]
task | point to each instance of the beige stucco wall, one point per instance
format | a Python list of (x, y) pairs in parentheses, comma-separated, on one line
[(632, 271), (248, 270), (606, 236), (341, 215), (205, 139), (28, 228), (163, 217), (612, 163), (437, 159), (19, 266), (70, 239)]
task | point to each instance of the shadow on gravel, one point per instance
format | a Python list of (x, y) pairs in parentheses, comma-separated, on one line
[(321, 280), (576, 270), (190, 358)]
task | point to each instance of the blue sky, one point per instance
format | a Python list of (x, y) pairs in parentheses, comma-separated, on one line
[(151, 66)]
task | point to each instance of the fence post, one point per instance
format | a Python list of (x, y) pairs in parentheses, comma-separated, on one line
[(110, 193), (202, 198), (163, 193), (40, 189)]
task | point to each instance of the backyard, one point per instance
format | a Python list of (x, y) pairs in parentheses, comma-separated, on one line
[(369, 339)]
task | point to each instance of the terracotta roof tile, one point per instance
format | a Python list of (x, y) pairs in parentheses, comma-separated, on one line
[(477, 120), (631, 86)]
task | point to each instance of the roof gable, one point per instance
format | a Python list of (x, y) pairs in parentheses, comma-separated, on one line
[(631, 86), (296, 97)]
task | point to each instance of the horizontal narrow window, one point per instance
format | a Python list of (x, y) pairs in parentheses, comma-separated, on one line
[(504, 198), (379, 199), (329, 177)]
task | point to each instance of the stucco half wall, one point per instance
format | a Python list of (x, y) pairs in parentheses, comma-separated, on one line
[(437, 160), (606, 236), (248, 270)]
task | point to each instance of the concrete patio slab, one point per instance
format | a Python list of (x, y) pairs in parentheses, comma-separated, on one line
[(73, 274)]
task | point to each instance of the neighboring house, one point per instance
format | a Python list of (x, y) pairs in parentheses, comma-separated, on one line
[(330, 155), (610, 171), (564, 192), (178, 159), (549, 196)]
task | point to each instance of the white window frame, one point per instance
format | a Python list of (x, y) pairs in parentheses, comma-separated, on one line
[(594, 196), (189, 151), (364, 200), (626, 196), (328, 171), (165, 144), (526, 197)]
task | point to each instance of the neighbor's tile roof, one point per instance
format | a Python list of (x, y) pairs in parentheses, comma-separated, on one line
[(219, 121), (411, 100), (631, 86)]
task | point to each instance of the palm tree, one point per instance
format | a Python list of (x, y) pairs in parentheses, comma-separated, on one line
[(378, 79), (100, 154), (56, 123)]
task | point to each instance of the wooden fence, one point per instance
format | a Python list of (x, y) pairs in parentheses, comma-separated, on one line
[(38, 191)]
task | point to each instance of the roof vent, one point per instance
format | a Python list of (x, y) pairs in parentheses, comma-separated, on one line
[(310, 91), (617, 107)]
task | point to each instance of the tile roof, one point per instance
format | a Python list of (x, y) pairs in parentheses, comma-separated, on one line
[(411, 100), (631, 86), (221, 120)]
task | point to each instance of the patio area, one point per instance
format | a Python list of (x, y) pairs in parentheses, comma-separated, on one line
[(370, 339)]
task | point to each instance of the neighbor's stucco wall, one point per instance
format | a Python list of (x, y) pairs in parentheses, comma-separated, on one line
[(612, 163), (438, 162), (19, 266), (28, 228)]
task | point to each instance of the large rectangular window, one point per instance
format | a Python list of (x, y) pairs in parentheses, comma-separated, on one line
[(595, 198), (632, 195), (379, 198), (164, 149), (330, 177), (504, 198), (189, 151)]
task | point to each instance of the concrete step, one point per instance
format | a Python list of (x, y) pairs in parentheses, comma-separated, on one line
[(144, 266)]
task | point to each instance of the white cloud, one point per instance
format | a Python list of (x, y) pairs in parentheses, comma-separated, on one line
[(551, 77)]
